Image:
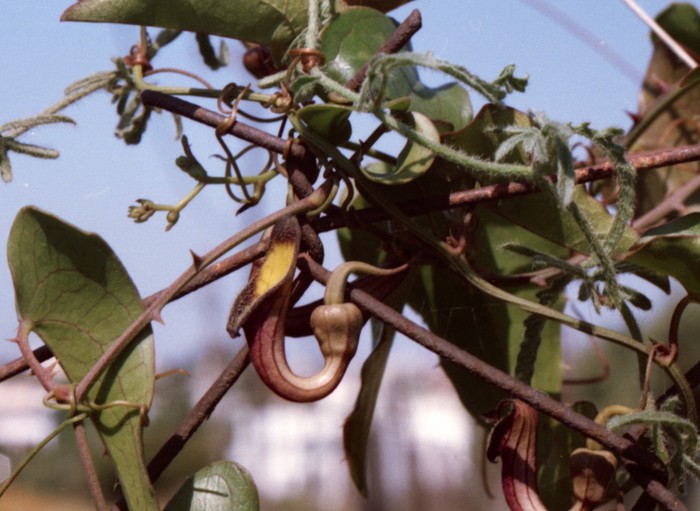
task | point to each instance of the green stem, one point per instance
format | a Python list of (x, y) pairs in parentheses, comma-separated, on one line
[(249, 180), (482, 170), (141, 84), (314, 25), (331, 85), (335, 287), (25, 461)]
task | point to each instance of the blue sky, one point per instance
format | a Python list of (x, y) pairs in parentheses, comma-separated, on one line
[(97, 177)]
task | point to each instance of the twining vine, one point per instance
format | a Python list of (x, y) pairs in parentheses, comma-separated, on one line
[(445, 206)]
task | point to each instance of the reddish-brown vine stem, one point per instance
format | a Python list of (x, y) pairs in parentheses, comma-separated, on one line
[(88, 466), (641, 161), (644, 467), (604, 170), (472, 197), (214, 119)]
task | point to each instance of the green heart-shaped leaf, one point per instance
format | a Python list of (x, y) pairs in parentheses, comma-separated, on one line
[(221, 486), (73, 292), (448, 106), (328, 120), (352, 38)]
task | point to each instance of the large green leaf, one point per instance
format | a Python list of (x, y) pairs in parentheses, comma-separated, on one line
[(541, 215), (673, 249), (448, 106), (469, 320), (481, 325), (73, 292), (328, 120), (494, 233), (221, 486), (272, 22), (352, 38)]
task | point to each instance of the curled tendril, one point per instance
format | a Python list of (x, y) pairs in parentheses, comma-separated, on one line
[(137, 57), (308, 57), (222, 129), (280, 102)]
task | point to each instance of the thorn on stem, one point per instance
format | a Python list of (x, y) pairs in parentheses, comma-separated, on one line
[(196, 260), (158, 318)]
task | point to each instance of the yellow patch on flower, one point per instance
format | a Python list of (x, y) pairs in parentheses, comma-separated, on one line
[(277, 265)]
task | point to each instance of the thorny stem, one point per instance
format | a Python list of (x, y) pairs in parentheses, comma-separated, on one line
[(19, 365), (641, 161), (88, 466), (537, 399), (42, 374), (152, 312)]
